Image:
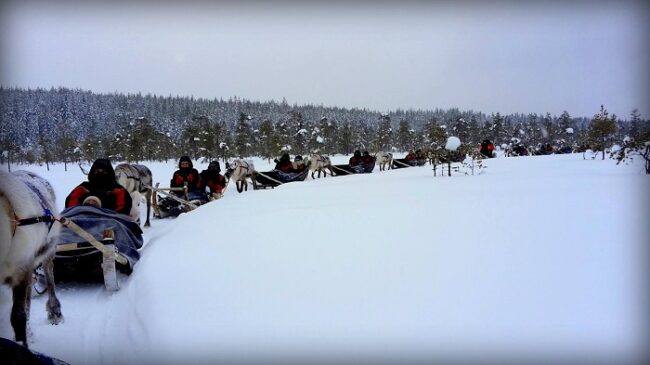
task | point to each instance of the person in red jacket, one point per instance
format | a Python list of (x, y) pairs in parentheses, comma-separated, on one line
[(101, 190), (410, 156), (186, 173), (355, 159), (366, 159), (213, 181), (487, 148)]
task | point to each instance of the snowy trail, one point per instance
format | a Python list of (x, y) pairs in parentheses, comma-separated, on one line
[(538, 255)]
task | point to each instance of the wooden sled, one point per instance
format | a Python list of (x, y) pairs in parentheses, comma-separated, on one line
[(80, 260), (161, 212)]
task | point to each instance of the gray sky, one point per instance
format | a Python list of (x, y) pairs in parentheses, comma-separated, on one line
[(498, 57)]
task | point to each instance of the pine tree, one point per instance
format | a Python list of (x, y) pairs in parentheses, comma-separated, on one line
[(269, 142), (404, 136), (566, 129), (299, 132), (243, 136), (601, 130), (384, 133)]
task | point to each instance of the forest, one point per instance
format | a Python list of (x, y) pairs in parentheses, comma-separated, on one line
[(71, 125)]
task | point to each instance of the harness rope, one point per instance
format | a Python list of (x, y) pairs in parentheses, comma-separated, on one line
[(346, 171)]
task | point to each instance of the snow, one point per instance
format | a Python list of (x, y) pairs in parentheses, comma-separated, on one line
[(452, 143), (538, 256), (569, 130), (320, 139)]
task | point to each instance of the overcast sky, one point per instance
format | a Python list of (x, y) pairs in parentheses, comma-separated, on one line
[(534, 57)]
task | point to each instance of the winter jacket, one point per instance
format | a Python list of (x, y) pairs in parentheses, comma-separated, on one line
[(101, 184), (486, 148), (285, 166), (354, 160), (187, 175), (190, 176), (212, 180)]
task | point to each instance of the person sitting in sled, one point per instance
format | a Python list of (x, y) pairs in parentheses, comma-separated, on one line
[(187, 174), (410, 156), (355, 160), (101, 190), (213, 181), (299, 164), (366, 159), (487, 148), (284, 163)]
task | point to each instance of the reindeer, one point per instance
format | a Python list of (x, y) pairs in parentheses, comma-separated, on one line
[(27, 239), (238, 171), (137, 180), (384, 158), (319, 163)]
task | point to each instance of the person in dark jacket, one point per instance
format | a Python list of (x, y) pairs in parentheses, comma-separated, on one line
[(212, 180), (487, 148), (186, 173), (284, 163), (355, 159), (366, 159), (101, 190)]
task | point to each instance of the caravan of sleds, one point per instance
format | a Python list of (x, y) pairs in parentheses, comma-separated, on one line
[(98, 234)]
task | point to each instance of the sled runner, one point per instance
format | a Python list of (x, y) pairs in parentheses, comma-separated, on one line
[(170, 205), (96, 243), (399, 163), (342, 170), (273, 178)]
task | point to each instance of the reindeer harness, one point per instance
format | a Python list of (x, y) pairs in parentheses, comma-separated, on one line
[(47, 216)]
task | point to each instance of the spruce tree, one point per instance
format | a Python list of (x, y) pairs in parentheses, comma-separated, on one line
[(602, 128)]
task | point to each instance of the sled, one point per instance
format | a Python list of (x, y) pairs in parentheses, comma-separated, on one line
[(399, 163), (170, 205), (342, 170), (273, 178), (94, 244)]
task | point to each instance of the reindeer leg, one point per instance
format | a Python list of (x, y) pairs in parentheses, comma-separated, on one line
[(53, 305), (20, 308), (148, 195)]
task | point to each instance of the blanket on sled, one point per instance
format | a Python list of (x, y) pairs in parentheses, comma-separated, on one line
[(128, 235)]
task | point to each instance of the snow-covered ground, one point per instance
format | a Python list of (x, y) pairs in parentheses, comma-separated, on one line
[(536, 257)]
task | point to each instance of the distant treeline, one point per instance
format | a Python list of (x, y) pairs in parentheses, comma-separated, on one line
[(68, 125)]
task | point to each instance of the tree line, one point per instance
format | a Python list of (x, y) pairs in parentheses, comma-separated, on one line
[(71, 125)]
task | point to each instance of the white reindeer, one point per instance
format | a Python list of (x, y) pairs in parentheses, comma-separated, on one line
[(384, 158), (319, 163), (27, 239), (137, 180), (238, 171)]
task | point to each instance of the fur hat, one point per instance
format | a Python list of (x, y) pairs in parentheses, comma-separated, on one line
[(214, 165), (101, 173), (185, 159)]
